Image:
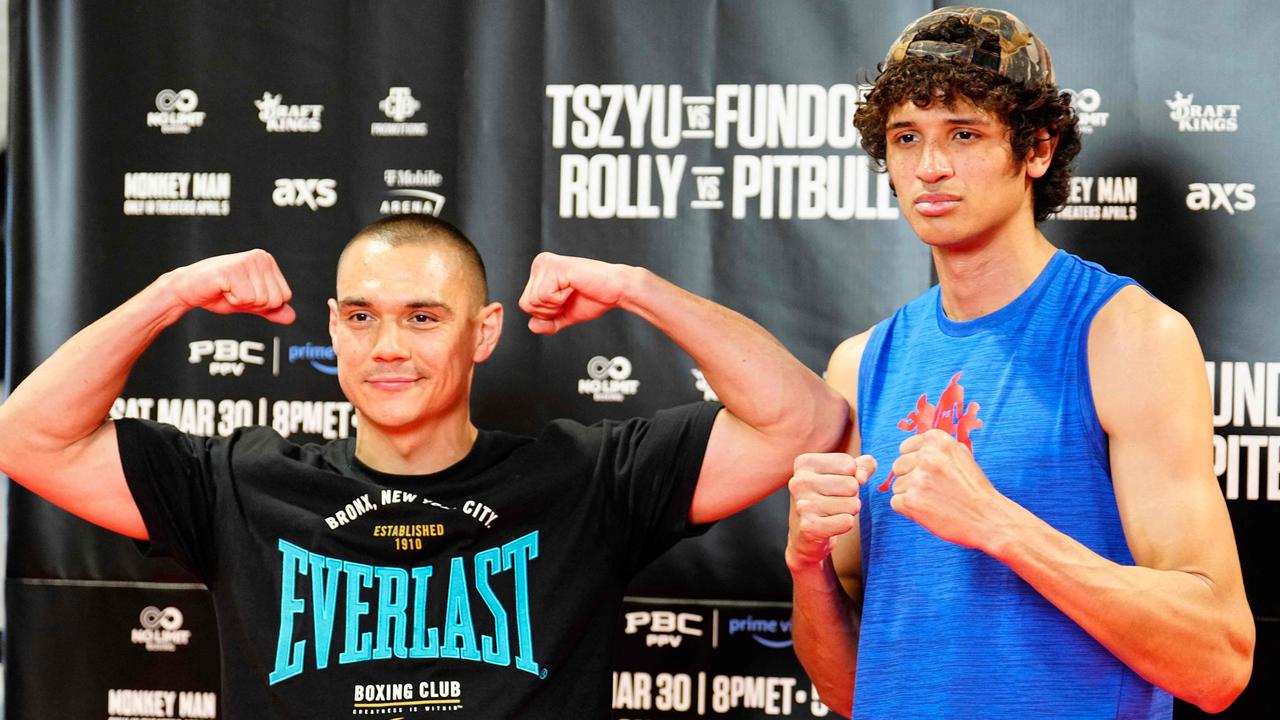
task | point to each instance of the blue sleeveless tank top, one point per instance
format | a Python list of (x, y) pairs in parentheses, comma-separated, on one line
[(947, 631)]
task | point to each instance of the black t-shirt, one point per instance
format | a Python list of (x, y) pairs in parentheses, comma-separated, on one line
[(489, 589)]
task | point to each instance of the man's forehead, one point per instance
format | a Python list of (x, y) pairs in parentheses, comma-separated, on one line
[(409, 274), (959, 109)]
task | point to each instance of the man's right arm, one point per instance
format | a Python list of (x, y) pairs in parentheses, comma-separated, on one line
[(55, 438), (823, 547)]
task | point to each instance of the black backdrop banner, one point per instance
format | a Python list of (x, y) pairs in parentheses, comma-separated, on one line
[(708, 140)]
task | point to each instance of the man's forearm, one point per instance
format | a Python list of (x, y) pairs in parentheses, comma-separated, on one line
[(69, 395), (1176, 628), (825, 631)]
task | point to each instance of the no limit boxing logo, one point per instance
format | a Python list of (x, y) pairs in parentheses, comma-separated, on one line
[(608, 379), (175, 112), (161, 630)]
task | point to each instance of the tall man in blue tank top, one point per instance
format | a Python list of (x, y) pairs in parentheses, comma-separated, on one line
[(1043, 535)]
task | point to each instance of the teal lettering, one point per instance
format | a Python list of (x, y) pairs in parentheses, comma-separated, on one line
[(497, 648), (515, 555), (289, 654), (457, 617), (324, 602), (431, 648), (392, 603), (359, 646)]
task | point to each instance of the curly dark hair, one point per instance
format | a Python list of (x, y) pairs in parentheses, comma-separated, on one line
[(928, 80)]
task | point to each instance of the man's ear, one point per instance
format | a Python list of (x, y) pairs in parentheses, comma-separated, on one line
[(1040, 156), (489, 330)]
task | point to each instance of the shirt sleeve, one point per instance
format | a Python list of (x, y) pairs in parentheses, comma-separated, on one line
[(654, 465), (172, 477)]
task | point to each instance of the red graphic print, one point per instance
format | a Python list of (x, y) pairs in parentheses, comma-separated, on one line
[(944, 416)]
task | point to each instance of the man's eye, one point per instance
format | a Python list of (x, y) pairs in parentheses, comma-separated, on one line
[(360, 316), (965, 135), (423, 318)]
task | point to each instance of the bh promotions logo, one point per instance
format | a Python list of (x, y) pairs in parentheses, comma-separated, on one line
[(399, 105), (175, 112), (160, 630), (608, 379)]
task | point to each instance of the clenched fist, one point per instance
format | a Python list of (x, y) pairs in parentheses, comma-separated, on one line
[(563, 291), (824, 501), (246, 282)]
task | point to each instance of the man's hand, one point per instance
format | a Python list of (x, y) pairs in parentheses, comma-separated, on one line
[(563, 291), (824, 501), (247, 282), (941, 487)]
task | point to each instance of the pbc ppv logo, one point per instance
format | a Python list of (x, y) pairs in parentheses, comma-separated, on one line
[(226, 357), (161, 630), (176, 112), (399, 105), (608, 379), (1226, 196), (665, 628), (1086, 103), (314, 193)]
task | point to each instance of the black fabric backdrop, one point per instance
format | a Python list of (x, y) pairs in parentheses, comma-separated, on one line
[(502, 119)]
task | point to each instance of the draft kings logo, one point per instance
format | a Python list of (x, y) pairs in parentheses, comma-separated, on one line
[(946, 416)]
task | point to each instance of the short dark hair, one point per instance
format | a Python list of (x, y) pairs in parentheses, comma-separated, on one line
[(418, 229), (1025, 110)]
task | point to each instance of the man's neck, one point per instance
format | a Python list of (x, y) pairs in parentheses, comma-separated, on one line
[(978, 280), (417, 452)]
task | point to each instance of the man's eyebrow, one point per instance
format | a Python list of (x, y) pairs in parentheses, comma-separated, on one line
[(420, 304), (964, 120)]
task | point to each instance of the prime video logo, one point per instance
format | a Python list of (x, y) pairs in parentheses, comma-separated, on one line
[(762, 626), (321, 357)]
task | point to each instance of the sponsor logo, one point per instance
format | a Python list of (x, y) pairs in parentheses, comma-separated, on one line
[(701, 385), (1191, 117), (769, 632), (175, 112), (314, 193), (399, 105), (1086, 103), (319, 357), (226, 356), (407, 194), (123, 704), (441, 610), (608, 379), (160, 630), (1101, 198), (177, 193), (1231, 197), (281, 118), (663, 628)]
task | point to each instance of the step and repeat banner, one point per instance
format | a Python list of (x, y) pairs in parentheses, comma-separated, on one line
[(707, 140)]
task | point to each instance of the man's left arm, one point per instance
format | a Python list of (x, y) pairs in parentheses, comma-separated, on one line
[(1179, 617), (776, 407)]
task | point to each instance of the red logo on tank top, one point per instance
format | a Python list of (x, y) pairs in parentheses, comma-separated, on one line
[(950, 415)]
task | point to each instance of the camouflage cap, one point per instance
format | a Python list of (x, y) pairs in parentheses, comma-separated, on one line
[(1022, 59)]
